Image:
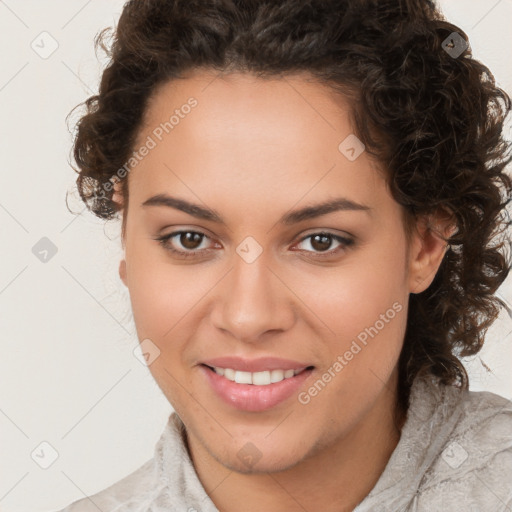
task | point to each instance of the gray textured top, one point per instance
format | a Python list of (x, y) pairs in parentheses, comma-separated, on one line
[(454, 454)]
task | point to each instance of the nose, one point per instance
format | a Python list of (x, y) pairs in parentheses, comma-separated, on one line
[(253, 302)]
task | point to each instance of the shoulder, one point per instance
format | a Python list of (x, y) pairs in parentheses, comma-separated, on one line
[(474, 462), (127, 494), (167, 481)]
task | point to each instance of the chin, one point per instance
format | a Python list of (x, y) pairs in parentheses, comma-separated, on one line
[(264, 465)]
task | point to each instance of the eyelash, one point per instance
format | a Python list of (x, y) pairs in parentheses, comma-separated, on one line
[(164, 242)]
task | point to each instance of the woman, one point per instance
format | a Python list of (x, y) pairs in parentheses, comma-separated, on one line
[(312, 197)]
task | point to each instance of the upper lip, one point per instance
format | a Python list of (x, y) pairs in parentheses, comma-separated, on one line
[(255, 365)]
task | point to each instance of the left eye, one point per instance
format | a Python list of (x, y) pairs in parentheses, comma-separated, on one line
[(191, 240), (319, 241)]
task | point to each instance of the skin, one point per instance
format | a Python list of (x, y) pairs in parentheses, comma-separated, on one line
[(273, 143)]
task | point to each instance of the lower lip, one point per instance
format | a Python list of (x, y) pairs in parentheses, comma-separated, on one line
[(249, 397)]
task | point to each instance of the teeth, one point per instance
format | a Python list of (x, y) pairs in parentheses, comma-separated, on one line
[(257, 378), (243, 377), (261, 378), (276, 376), (228, 373)]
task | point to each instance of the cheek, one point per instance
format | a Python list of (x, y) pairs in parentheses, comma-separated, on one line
[(165, 301), (365, 309), (355, 295), (161, 291), (162, 295), (364, 305)]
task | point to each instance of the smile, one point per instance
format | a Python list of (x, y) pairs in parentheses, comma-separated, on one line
[(263, 378)]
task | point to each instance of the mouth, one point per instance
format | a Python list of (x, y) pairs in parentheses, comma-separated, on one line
[(255, 391), (261, 378)]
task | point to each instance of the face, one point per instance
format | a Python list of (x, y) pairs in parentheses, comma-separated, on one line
[(245, 283)]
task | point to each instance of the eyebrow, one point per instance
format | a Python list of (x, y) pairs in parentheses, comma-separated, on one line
[(293, 217)]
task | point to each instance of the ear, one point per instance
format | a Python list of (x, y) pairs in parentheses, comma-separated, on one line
[(427, 248), (122, 272), (117, 195)]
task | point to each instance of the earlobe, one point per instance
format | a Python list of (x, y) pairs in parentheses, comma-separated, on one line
[(117, 195), (122, 272)]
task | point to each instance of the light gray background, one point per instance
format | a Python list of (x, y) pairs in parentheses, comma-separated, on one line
[(68, 375)]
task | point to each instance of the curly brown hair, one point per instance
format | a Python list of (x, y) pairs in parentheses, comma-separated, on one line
[(421, 104)]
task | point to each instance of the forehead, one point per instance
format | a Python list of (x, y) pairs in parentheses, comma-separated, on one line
[(262, 136), (248, 109)]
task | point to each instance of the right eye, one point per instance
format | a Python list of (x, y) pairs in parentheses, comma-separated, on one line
[(184, 238)]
